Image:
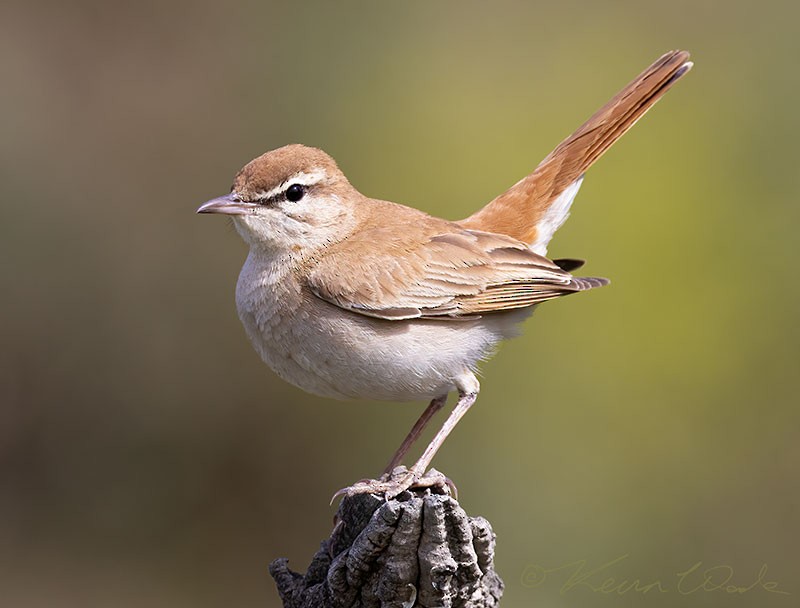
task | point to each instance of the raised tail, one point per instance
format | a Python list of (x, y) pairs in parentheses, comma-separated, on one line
[(536, 206)]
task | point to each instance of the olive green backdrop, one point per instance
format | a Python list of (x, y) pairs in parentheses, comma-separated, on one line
[(148, 458)]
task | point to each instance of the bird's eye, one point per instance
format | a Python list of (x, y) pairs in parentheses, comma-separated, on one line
[(295, 192)]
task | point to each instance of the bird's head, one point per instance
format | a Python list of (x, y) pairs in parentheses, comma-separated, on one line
[(288, 199)]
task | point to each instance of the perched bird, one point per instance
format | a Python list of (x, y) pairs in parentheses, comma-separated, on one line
[(347, 296)]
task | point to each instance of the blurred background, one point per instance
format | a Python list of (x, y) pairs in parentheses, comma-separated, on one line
[(148, 457)]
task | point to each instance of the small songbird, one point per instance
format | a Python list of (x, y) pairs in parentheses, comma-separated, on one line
[(347, 296)]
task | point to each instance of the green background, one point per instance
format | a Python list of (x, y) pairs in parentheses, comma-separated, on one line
[(148, 457)]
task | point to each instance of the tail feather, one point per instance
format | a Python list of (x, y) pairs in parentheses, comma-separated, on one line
[(584, 283), (536, 206), (569, 264)]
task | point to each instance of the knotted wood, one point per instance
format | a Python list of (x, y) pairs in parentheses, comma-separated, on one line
[(418, 550)]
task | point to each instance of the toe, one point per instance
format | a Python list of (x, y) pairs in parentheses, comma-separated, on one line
[(398, 486)]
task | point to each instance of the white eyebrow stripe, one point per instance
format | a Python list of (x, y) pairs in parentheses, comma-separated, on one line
[(303, 178)]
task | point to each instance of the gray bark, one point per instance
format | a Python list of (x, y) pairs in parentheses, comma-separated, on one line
[(419, 549)]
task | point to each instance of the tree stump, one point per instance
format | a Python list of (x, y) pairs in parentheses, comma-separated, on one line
[(419, 549)]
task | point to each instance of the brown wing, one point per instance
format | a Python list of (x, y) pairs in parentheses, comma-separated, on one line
[(437, 274), (533, 208)]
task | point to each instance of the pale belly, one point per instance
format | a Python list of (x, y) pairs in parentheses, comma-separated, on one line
[(332, 352)]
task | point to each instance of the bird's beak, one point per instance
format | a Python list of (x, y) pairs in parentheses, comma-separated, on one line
[(225, 204)]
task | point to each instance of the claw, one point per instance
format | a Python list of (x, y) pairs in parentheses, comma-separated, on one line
[(348, 490), (337, 495), (437, 479)]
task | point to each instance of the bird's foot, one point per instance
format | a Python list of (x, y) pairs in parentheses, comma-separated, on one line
[(398, 481)]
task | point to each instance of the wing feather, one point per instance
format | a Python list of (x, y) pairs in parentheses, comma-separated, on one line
[(444, 272)]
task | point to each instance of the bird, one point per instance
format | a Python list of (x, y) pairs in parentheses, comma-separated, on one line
[(350, 297)]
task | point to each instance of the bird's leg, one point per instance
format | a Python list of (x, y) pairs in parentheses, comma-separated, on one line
[(465, 401), (414, 433), (467, 394)]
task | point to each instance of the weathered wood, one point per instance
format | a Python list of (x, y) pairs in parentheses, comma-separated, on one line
[(419, 549)]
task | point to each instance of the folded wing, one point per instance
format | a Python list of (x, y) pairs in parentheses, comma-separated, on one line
[(446, 272)]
